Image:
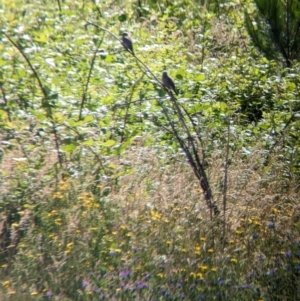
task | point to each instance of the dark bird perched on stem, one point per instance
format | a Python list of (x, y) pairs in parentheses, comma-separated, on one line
[(168, 82), (127, 43)]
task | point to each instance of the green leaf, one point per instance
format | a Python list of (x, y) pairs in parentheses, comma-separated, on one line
[(122, 18), (88, 118), (200, 77), (108, 143), (89, 142), (39, 115), (109, 58), (68, 148), (59, 117)]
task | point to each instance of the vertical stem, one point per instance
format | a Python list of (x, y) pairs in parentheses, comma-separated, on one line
[(225, 180), (59, 6), (83, 98), (5, 101), (44, 102)]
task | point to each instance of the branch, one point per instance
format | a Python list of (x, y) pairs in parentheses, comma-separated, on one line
[(5, 101), (189, 148), (88, 80), (44, 103)]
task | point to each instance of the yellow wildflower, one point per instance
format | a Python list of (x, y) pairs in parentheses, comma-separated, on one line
[(203, 268), (34, 293), (70, 245), (257, 223), (58, 221), (11, 292), (6, 283), (155, 215), (63, 185), (197, 250), (58, 195)]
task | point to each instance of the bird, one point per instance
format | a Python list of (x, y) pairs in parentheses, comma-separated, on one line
[(168, 82), (127, 43)]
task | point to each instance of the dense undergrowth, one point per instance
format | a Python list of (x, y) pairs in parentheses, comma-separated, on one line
[(97, 199)]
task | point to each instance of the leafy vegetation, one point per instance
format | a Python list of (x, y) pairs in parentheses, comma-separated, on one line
[(276, 30), (102, 167)]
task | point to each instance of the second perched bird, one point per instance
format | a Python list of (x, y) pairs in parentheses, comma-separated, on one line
[(127, 43), (168, 82)]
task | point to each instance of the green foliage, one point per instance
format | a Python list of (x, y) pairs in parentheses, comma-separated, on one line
[(275, 29), (97, 200)]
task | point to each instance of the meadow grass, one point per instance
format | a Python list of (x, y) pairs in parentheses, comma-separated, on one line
[(148, 235)]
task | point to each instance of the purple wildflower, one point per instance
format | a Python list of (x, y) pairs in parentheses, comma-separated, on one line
[(141, 285), (85, 283), (164, 292), (125, 274), (49, 294), (288, 235), (135, 249), (192, 286), (271, 272), (288, 254), (221, 281), (271, 225)]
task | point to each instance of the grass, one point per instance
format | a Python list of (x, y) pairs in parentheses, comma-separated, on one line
[(148, 234)]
